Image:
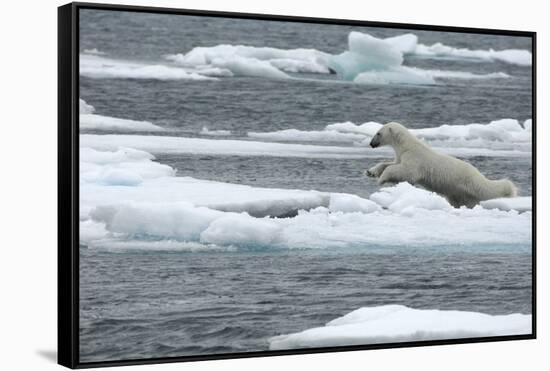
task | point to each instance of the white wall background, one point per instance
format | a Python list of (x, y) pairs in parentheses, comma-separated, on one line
[(28, 182)]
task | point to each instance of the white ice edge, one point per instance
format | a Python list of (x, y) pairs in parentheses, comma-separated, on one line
[(231, 147), (129, 200), (398, 323)]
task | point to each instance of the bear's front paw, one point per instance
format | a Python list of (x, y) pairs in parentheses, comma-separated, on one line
[(372, 172)]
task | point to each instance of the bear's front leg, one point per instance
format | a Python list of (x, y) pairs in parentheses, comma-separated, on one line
[(395, 174), (378, 169)]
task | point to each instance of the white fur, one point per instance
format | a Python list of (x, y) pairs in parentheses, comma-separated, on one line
[(416, 163)]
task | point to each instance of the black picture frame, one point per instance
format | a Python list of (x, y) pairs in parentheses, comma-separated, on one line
[(68, 183)]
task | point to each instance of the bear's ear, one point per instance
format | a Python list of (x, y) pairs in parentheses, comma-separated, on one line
[(390, 130)]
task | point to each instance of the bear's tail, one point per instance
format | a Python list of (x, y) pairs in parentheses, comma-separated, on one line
[(506, 188)]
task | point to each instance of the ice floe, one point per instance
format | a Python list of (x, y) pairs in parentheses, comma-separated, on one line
[(182, 145), (504, 134), (127, 199), (398, 323), (233, 147), (88, 120), (372, 60), (247, 58), (367, 60), (98, 67), (510, 56)]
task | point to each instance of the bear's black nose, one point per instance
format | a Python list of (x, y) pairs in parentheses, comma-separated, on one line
[(374, 143)]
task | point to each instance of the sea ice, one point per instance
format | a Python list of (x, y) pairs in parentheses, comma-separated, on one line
[(464, 147), (284, 60), (129, 200), (90, 121), (94, 66), (499, 135), (367, 60), (375, 61), (398, 323)]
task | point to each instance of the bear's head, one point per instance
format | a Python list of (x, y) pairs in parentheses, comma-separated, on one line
[(387, 135)]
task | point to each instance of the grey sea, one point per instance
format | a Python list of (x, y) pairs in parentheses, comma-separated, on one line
[(138, 304)]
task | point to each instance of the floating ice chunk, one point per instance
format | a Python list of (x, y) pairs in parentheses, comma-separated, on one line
[(206, 131), (85, 108), (163, 208), (99, 122), (160, 185), (398, 323), (519, 204), (241, 230), (505, 130), (527, 125), (370, 60), (439, 50), (165, 144), (98, 67), (88, 120), (199, 146), (365, 53), (404, 198), (512, 56), (348, 203), (288, 60)]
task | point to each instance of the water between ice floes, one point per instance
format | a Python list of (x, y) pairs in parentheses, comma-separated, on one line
[(146, 303)]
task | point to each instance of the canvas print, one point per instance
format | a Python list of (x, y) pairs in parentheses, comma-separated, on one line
[(253, 185)]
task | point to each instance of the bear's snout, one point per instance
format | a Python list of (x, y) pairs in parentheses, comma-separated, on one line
[(375, 142)]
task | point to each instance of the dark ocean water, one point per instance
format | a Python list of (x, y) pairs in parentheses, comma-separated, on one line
[(157, 304)]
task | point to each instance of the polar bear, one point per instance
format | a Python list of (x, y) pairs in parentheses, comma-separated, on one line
[(458, 181)]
